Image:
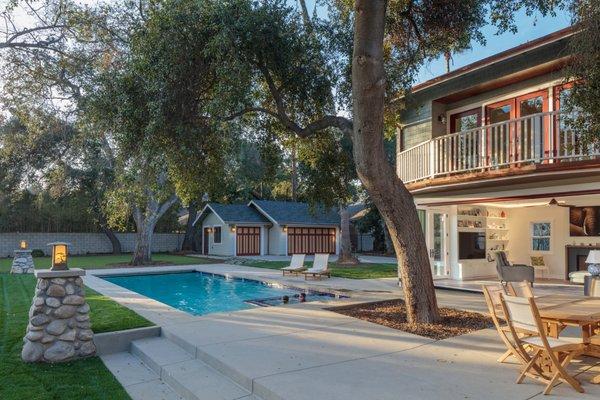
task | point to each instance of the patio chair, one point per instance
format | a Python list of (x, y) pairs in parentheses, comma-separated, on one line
[(492, 294), (514, 272), (519, 289), (320, 267), (296, 265), (522, 314)]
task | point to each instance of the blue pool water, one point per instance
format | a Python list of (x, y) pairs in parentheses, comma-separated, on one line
[(201, 293)]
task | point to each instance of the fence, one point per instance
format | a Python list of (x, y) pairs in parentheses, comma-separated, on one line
[(86, 243)]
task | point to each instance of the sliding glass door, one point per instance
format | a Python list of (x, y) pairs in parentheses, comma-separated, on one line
[(437, 242)]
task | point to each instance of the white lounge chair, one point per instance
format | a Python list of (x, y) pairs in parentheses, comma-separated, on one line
[(320, 267), (296, 264)]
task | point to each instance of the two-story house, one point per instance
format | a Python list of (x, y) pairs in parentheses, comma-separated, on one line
[(491, 164)]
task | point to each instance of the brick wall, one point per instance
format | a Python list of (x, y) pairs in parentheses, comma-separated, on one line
[(83, 243)]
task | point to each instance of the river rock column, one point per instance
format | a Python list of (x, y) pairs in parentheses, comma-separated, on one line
[(59, 326), (22, 262)]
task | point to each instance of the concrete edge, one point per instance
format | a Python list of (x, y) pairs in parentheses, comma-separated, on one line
[(120, 341)]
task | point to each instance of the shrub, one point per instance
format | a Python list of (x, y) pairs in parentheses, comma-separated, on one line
[(37, 253)]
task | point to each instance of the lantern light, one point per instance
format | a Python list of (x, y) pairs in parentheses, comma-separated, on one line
[(285, 228), (60, 254), (233, 228), (23, 245)]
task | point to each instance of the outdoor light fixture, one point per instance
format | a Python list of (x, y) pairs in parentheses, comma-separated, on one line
[(442, 118), (23, 245), (59, 256), (285, 228), (233, 228)]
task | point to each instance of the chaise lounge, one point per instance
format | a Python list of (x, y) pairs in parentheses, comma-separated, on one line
[(320, 267), (296, 265)]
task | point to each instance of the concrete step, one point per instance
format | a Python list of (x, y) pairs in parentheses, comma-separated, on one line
[(139, 381), (190, 378), (158, 352)]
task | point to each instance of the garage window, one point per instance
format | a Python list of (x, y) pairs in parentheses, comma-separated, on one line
[(308, 240)]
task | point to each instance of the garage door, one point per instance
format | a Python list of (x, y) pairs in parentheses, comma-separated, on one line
[(248, 240), (311, 240)]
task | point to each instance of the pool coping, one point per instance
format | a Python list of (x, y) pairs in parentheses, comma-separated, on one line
[(164, 315)]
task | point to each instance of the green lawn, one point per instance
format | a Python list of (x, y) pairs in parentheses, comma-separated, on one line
[(85, 379), (360, 271), (108, 261)]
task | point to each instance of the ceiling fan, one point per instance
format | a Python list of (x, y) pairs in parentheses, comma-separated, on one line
[(555, 202)]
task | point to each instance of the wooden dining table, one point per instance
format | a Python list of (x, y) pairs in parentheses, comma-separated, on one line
[(560, 311)]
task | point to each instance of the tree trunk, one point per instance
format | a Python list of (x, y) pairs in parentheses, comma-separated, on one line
[(389, 194), (143, 247), (190, 229), (346, 256), (114, 240), (145, 222), (387, 240), (294, 174)]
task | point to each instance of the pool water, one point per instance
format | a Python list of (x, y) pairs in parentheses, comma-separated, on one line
[(201, 293)]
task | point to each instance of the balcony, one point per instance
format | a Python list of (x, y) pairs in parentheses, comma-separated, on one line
[(535, 139)]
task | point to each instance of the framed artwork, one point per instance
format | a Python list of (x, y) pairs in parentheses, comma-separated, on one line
[(584, 221)]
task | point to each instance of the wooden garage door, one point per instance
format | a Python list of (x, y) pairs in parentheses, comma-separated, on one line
[(311, 240), (248, 240)]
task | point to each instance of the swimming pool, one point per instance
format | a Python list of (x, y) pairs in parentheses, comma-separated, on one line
[(201, 293)]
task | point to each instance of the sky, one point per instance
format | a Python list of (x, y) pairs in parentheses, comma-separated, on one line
[(529, 28)]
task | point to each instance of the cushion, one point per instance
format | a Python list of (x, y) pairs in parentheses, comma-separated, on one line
[(553, 342), (578, 276)]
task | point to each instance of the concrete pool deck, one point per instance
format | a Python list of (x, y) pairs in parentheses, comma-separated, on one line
[(304, 351)]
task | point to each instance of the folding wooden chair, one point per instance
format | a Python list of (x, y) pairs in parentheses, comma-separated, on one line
[(492, 294), (595, 287), (519, 289), (522, 314), (595, 292)]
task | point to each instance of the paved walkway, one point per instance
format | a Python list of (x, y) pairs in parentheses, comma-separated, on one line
[(304, 351)]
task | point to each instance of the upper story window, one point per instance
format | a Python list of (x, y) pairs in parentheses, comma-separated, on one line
[(465, 121), (516, 107), (500, 112), (531, 105)]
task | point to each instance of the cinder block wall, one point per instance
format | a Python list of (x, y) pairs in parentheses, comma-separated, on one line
[(85, 243)]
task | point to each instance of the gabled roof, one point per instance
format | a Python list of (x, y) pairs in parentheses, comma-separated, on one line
[(296, 213), (233, 213)]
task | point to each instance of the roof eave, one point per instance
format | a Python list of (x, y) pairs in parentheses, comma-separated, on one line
[(496, 58)]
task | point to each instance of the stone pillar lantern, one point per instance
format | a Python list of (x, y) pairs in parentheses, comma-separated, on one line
[(59, 326), (22, 261)]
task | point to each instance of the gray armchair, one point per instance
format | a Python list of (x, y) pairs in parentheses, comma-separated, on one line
[(515, 272)]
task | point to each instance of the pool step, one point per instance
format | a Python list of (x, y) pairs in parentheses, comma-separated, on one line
[(186, 375)]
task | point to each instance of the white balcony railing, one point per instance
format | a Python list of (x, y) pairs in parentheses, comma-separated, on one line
[(537, 138)]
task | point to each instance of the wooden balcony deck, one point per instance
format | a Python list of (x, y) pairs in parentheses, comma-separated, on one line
[(518, 147)]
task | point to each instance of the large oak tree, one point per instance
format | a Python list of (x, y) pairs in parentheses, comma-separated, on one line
[(390, 40), (344, 72)]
